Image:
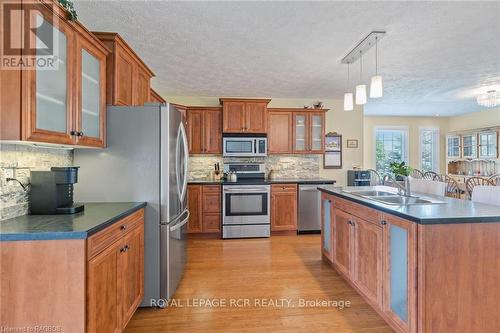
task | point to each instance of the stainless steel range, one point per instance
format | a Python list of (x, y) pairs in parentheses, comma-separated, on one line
[(246, 203)]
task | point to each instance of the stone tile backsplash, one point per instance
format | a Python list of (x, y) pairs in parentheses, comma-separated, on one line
[(20, 159), (284, 166)]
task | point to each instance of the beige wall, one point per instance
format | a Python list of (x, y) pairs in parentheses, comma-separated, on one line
[(349, 124), (414, 124), (475, 120)]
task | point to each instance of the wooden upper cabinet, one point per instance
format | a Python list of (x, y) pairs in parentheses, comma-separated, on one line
[(244, 115), (195, 131), (283, 207), (233, 115), (212, 122), (279, 134), (155, 97), (62, 104), (204, 127), (256, 117), (91, 96), (128, 77), (296, 131)]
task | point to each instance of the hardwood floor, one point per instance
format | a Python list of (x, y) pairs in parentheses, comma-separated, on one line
[(281, 267)]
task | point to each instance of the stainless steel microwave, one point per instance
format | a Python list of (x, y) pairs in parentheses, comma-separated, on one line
[(244, 146)]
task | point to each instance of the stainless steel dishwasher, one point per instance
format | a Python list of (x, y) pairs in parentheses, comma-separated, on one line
[(310, 208)]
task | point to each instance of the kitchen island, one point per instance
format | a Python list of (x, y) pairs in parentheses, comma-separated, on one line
[(60, 272), (427, 267)]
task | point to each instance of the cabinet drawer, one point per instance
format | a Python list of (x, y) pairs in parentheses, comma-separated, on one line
[(211, 188), (284, 187), (104, 238), (366, 213), (211, 222), (211, 202)]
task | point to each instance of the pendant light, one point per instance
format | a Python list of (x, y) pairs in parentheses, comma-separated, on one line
[(348, 97), (361, 88), (376, 84)]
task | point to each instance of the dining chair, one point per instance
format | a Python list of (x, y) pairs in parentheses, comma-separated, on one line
[(417, 174), (452, 189), (495, 179), (476, 181), (489, 195), (431, 175)]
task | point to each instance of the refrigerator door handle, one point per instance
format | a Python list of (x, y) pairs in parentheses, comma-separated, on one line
[(179, 225), (186, 161)]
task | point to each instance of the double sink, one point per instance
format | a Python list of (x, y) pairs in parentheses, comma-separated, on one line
[(391, 198)]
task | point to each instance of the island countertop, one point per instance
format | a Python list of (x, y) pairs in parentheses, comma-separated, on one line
[(94, 217), (451, 211)]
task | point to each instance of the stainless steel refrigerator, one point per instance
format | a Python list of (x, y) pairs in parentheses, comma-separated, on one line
[(146, 159)]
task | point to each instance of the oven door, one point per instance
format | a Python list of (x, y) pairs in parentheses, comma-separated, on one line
[(239, 146), (246, 205)]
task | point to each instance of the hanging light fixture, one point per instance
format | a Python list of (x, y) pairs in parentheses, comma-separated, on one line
[(376, 84), (361, 88), (348, 97), (489, 99)]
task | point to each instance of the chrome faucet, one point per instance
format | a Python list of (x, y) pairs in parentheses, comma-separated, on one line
[(404, 190)]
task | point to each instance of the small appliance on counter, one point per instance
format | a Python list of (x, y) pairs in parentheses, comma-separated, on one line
[(52, 191), (358, 178)]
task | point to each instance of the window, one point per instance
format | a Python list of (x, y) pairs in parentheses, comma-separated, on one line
[(429, 149), (391, 145)]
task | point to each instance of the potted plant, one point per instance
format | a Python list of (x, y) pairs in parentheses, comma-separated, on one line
[(400, 170)]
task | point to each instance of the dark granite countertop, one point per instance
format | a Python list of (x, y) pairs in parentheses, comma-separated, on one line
[(243, 181), (451, 211), (95, 217)]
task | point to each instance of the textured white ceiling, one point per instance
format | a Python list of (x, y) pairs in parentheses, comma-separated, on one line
[(435, 57)]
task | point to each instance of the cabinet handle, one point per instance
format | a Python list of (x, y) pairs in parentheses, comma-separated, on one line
[(123, 227), (383, 222), (349, 222), (80, 134), (73, 133), (124, 249), (353, 223)]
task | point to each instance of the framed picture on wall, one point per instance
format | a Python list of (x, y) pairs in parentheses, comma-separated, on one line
[(332, 158), (352, 143)]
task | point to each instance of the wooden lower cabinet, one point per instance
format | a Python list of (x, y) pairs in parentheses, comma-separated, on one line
[(367, 270), (103, 290), (425, 278), (130, 264), (342, 241), (204, 204), (115, 279), (283, 207)]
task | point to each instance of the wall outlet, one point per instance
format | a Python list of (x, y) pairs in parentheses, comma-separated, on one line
[(8, 173)]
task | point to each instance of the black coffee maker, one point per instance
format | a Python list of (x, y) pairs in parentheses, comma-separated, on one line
[(52, 191)]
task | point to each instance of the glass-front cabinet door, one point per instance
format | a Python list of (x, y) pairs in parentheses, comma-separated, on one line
[(488, 145), (400, 272), (326, 226), (47, 86), (453, 146), (91, 105), (469, 146), (317, 125), (300, 138)]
